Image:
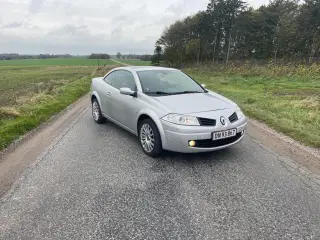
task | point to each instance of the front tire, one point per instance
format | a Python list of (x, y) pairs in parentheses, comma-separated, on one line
[(96, 112), (150, 139)]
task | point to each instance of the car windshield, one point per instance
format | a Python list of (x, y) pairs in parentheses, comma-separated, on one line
[(167, 82)]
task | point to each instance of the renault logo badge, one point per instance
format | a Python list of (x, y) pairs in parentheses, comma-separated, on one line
[(222, 120)]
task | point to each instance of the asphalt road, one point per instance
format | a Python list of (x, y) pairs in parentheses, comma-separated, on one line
[(94, 182)]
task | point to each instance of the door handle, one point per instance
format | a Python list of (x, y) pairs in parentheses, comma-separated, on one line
[(108, 93)]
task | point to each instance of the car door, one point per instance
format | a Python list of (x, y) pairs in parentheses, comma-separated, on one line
[(124, 107), (105, 94)]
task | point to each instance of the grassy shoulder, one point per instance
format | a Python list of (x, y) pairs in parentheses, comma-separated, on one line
[(285, 98), (36, 94)]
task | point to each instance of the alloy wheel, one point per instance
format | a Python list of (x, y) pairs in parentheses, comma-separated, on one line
[(95, 111), (147, 137)]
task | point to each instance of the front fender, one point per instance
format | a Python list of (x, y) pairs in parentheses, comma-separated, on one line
[(157, 121), (94, 93)]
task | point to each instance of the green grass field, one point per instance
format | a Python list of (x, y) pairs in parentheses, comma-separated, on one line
[(286, 99), (75, 61), (30, 95)]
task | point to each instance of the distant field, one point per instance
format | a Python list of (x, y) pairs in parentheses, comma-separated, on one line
[(30, 95), (136, 62), (56, 62)]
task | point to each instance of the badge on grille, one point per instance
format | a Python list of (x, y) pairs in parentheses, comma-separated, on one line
[(222, 120)]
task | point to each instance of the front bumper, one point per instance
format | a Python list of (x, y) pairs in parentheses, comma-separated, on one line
[(177, 137)]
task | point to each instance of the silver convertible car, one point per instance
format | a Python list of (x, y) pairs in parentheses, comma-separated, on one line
[(166, 109)]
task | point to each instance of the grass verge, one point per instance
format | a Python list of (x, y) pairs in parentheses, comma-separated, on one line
[(26, 109), (287, 99)]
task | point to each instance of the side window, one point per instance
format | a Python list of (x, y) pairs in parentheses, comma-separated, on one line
[(123, 79), (109, 77)]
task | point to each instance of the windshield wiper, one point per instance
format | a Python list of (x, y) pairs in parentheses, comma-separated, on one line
[(172, 93), (185, 92), (159, 93)]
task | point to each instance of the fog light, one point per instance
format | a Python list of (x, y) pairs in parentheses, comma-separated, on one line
[(192, 143), (242, 132)]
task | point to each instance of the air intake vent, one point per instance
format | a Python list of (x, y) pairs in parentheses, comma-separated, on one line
[(207, 122), (233, 117), (208, 143)]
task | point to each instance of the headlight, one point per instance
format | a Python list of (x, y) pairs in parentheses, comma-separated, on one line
[(181, 119), (239, 113)]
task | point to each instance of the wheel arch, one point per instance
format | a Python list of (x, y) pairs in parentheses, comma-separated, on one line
[(149, 114), (95, 95)]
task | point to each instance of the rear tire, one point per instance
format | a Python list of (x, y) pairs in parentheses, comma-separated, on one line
[(96, 112), (149, 138)]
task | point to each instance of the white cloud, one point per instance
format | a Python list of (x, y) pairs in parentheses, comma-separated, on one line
[(35, 5), (82, 26)]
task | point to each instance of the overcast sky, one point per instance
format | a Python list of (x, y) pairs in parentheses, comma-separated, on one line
[(86, 26)]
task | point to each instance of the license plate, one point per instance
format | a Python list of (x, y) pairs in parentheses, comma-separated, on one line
[(224, 134)]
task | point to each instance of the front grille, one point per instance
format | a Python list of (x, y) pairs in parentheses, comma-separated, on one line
[(208, 143), (207, 122), (233, 117)]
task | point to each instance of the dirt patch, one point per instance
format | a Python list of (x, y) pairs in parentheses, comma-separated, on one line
[(9, 112)]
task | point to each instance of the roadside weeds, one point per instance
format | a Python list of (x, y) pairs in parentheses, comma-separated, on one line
[(39, 103)]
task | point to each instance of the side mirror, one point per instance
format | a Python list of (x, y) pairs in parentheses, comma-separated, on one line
[(128, 91)]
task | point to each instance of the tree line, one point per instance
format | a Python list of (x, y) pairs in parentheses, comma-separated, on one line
[(232, 30), (99, 56), (12, 56), (142, 57)]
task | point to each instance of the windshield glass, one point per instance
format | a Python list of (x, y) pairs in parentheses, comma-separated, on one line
[(161, 82)]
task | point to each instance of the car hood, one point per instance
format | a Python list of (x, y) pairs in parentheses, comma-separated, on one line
[(195, 102)]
